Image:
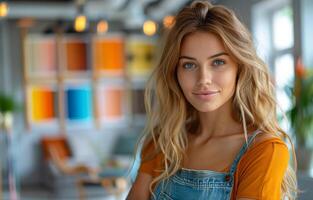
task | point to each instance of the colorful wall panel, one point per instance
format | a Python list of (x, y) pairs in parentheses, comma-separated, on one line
[(108, 54), (40, 55), (79, 103), (75, 54), (140, 56), (138, 106), (58, 98), (43, 104), (110, 103)]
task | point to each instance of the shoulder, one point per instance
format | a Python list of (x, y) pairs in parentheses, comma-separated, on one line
[(151, 159), (149, 150), (267, 141), (266, 150), (266, 137), (262, 168)]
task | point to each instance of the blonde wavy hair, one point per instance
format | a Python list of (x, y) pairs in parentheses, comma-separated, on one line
[(170, 117)]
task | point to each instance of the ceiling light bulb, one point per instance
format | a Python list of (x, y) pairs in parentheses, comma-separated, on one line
[(149, 27), (80, 23), (4, 9), (168, 21), (102, 26)]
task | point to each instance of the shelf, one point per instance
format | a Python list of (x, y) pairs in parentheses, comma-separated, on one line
[(41, 80), (76, 75), (86, 81), (138, 82)]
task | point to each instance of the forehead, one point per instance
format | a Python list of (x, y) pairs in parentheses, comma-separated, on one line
[(199, 42)]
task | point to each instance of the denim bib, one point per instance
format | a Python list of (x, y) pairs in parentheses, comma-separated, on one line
[(200, 184)]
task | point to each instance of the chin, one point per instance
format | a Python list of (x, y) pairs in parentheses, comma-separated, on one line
[(206, 108)]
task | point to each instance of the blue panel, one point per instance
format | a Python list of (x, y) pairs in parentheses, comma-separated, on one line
[(79, 103)]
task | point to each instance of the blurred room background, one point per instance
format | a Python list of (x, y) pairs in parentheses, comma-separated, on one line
[(72, 78)]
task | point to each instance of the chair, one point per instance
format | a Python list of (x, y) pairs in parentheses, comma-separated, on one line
[(56, 149), (61, 172)]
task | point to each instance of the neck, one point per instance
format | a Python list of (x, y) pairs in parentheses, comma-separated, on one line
[(219, 122)]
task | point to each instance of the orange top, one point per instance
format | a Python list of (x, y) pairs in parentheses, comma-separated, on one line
[(258, 175)]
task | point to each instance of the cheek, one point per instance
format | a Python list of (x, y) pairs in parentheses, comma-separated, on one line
[(228, 81), (180, 80), (185, 82)]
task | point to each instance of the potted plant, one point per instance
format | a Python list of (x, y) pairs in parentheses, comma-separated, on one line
[(7, 106), (301, 115)]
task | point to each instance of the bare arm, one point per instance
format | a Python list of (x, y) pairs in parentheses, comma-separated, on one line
[(140, 188)]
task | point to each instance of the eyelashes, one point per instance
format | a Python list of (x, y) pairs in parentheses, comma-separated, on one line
[(192, 65), (218, 62), (188, 65)]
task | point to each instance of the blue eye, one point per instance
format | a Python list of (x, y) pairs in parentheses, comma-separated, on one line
[(189, 65), (218, 62)]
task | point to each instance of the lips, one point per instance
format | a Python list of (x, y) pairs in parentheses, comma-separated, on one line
[(206, 95), (205, 92)]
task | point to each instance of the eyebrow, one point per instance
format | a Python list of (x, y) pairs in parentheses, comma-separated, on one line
[(213, 56)]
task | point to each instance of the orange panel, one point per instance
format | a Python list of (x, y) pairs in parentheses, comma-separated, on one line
[(109, 54), (76, 56), (42, 104)]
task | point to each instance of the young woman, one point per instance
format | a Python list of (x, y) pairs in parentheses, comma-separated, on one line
[(212, 131)]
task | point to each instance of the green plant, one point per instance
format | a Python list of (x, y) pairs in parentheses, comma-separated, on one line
[(7, 104), (301, 112)]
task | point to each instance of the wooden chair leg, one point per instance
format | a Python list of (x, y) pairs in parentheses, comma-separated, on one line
[(81, 191)]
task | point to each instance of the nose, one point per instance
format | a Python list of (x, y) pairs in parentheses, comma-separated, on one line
[(204, 76)]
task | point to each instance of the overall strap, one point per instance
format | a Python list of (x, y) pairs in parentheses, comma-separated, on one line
[(242, 151)]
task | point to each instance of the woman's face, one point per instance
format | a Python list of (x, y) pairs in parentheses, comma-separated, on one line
[(205, 72)]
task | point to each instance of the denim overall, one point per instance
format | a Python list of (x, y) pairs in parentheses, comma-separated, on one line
[(188, 184)]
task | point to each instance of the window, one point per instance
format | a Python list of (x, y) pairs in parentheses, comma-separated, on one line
[(283, 61), (274, 35)]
